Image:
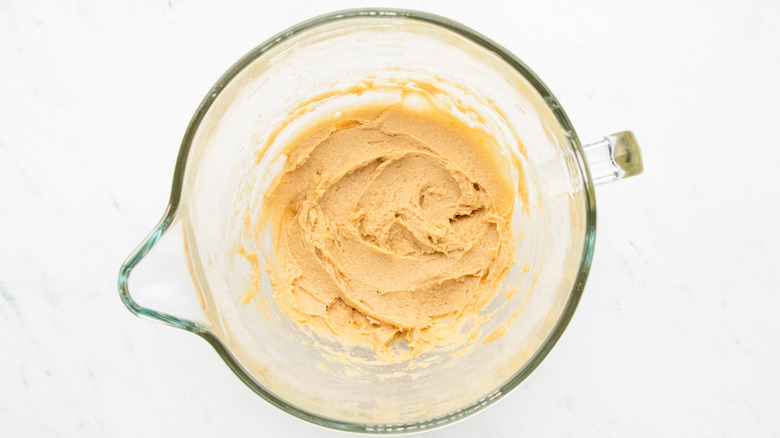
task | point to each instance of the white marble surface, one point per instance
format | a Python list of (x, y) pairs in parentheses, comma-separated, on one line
[(676, 335)]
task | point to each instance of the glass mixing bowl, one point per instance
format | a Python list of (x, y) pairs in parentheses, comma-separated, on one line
[(189, 274)]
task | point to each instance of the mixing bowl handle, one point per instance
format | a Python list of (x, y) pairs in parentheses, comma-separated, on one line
[(613, 157), (162, 280)]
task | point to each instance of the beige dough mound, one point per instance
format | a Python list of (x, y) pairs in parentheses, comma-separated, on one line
[(391, 227)]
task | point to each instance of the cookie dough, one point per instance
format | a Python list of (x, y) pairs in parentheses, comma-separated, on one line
[(391, 226)]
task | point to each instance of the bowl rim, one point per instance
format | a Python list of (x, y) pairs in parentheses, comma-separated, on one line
[(176, 192)]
